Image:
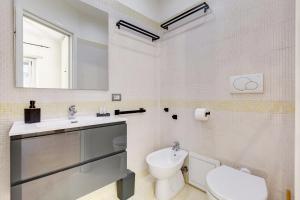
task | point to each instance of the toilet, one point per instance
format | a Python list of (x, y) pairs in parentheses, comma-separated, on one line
[(165, 165), (226, 183)]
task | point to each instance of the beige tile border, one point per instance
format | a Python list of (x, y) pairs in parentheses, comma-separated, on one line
[(236, 106), (59, 109), (15, 110)]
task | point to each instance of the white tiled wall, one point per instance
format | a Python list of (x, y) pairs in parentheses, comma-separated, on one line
[(132, 72), (240, 37), (191, 68)]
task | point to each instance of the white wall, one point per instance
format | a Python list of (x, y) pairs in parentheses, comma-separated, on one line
[(297, 100), (133, 72), (245, 130), (159, 10), (149, 8), (170, 8)]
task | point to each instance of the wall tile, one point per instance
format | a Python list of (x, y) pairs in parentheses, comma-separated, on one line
[(133, 72), (249, 130)]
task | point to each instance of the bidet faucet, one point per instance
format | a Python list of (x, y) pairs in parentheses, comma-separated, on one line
[(72, 111), (176, 146)]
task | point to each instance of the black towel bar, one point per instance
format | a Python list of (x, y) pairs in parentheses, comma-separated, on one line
[(203, 6), (137, 29), (118, 112)]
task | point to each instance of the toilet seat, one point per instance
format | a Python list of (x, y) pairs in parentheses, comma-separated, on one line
[(226, 183)]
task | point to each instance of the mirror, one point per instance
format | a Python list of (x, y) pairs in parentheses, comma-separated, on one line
[(61, 44)]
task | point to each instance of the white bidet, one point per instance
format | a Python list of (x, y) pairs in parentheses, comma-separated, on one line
[(165, 165)]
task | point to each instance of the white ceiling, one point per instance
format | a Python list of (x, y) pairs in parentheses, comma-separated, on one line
[(159, 10)]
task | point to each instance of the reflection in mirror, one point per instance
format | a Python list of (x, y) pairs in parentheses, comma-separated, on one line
[(91, 65), (45, 56), (61, 44)]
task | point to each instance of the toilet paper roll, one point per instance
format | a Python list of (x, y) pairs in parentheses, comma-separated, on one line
[(201, 114)]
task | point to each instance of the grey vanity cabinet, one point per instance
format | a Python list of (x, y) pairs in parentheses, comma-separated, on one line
[(75, 182), (67, 164), (112, 139), (34, 156)]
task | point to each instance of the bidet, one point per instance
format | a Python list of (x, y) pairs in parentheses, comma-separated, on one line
[(165, 165)]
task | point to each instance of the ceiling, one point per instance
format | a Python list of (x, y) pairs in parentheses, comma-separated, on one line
[(159, 10)]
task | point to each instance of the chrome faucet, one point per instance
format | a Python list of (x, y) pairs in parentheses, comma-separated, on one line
[(176, 146), (72, 111)]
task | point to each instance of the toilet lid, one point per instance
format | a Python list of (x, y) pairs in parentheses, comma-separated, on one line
[(227, 183)]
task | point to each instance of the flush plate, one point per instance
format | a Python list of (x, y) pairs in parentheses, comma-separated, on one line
[(250, 83)]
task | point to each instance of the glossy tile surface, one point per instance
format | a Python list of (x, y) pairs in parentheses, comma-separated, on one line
[(144, 190), (187, 193)]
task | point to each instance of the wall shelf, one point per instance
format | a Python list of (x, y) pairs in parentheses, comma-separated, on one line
[(203, 6), (137, 29)]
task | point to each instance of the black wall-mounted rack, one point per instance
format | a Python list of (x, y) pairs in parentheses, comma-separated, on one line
[(118, 112), (203, 6), (137, 29)]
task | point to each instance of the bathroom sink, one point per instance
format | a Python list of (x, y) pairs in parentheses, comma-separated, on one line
[(20, 128)]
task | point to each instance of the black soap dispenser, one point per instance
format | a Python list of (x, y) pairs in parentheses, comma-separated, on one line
[(32, 114)]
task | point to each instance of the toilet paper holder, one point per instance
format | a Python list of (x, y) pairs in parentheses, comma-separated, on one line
[(202, 114)]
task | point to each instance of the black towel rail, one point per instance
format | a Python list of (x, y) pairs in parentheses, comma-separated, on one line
[(137, 29), (203, 6), (118, 112)]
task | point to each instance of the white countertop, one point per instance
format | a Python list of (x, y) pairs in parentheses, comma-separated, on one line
[(20, 128)]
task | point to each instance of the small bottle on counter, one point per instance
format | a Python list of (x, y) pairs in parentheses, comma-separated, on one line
[(103, 113), (32, 114)]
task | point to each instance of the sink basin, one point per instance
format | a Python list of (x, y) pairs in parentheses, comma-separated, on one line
[(20, 128)]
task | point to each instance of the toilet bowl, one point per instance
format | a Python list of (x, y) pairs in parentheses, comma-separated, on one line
[(165, 165), (226, 183)]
